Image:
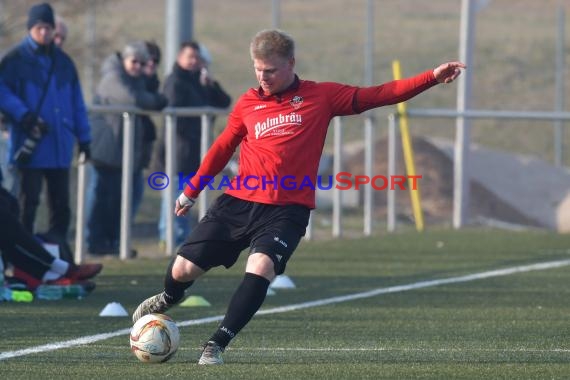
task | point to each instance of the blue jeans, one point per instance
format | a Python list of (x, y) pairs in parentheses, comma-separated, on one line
[(105, 214), (89, 195), (139, 183), (181, 223), (103, 206)]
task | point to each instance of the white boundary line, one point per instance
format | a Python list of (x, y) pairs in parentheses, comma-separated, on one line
[(304, 305), (366, 349)]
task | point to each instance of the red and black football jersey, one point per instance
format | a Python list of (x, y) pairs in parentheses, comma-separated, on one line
[(281, 137)]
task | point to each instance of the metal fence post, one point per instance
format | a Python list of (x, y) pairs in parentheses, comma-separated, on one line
[(204, 146), (461, 176), (391, 196), (560, 90), (170, 161), (127, 185), (337, 167), (80, 216), (369, 150)]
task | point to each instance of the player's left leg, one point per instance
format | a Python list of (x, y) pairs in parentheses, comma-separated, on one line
[(245, 302), (272, 247)]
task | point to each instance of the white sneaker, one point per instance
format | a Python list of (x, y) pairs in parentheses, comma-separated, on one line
[(212, 354), (154, 304)]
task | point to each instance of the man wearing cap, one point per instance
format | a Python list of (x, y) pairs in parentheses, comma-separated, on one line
[(41, 96)]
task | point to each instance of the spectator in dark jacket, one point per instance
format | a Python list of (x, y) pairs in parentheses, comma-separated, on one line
[(122, 83), (189, 85), (153, 86), (41, 97), (148, 127)]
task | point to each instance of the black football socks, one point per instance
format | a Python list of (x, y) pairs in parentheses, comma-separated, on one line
[(174, 290), (245, 302)]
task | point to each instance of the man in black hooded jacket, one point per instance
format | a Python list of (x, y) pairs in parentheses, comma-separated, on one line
[(189, 85)]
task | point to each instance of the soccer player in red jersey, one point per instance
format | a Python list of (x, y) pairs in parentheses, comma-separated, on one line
[(281, 128)]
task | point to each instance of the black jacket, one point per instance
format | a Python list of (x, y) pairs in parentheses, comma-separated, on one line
[(183, 89), (118, 88)]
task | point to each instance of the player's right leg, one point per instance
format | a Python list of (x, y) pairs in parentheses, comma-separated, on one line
[(180, 275)]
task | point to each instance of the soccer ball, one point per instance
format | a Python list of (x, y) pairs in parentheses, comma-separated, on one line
[(154, 338)]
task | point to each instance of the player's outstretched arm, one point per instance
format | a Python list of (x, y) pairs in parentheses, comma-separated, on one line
[(447, 72)]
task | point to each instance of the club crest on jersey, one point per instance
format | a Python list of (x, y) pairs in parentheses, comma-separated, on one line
[(296, 102)]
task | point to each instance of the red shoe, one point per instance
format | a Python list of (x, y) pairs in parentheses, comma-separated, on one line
[(83, 272), (31, 282)]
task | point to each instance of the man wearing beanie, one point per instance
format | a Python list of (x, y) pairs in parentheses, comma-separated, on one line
[(41, 96), (41, 13)]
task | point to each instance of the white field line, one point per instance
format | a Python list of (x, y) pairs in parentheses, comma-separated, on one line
[(408, 349), (366, 349), (305, 305)]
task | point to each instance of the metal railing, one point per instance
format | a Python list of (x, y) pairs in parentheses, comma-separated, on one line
[(460, 200), (171, 114)]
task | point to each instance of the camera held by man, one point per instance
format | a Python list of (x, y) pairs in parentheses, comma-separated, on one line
[(35, 129)]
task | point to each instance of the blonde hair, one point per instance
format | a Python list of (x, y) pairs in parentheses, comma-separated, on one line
[(269, 42)]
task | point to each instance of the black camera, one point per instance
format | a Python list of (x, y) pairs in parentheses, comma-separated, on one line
[(35, 131)]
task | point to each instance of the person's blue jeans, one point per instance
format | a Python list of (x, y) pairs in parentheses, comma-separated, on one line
[(89, 195), (138, 191), (103, 206), (181, 223), (105, 215)]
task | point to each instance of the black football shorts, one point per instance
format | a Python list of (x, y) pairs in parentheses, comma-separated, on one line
[(232, 225)]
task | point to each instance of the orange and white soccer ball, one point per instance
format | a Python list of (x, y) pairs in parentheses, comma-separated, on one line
[(154, 338)]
